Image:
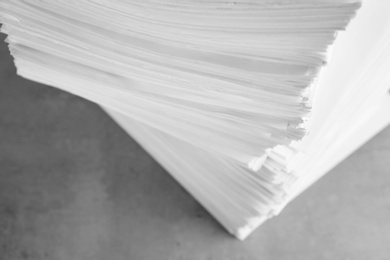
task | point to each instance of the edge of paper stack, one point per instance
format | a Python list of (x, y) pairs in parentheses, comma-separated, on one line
[(219, 93)]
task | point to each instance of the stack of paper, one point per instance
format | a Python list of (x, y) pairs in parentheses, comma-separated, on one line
[(219, 92)]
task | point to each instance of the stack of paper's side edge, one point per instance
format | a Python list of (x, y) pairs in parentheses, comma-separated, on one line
[(360, 95), (217, 101)]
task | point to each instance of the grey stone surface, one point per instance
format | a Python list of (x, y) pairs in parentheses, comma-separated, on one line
[(74, 186)]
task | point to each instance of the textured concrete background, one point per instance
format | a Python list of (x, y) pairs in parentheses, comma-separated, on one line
[(74, 186)]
